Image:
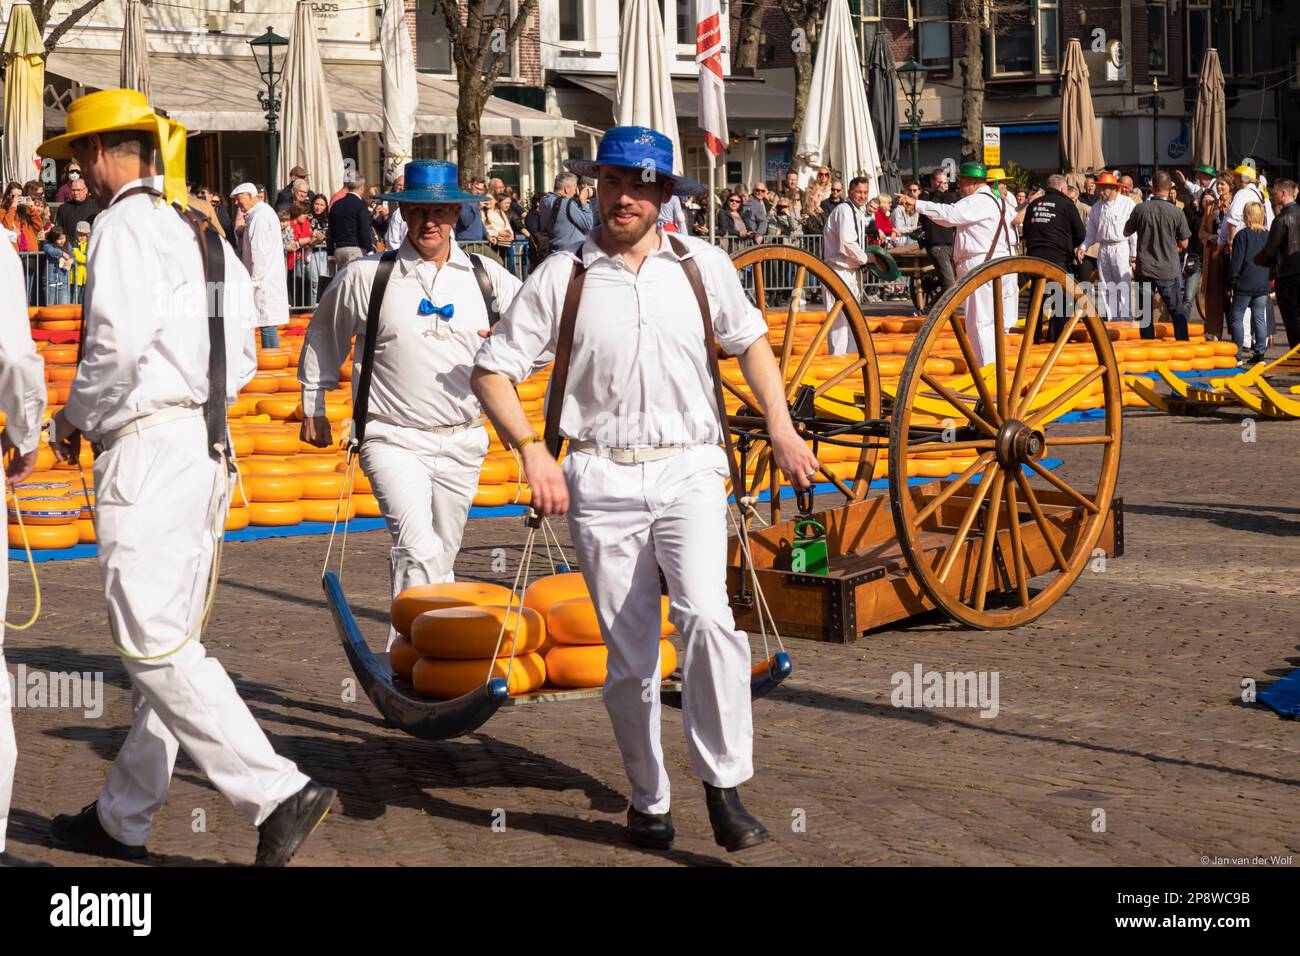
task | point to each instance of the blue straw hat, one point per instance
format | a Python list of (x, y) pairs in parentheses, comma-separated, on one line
[(636, 147), (431, 181)]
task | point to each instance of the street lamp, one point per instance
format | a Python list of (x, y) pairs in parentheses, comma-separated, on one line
[(913, 76), (265, 50)]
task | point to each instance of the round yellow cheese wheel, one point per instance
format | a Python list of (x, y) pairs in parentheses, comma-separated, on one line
[(315, 464), (85, 531), (318, 486), (278, 408), (492, 496), (367, 505), (327, 509), (272, 487), (274, 514), (493, 472), (45, 536), (263, 465), (444, 679), (402, 657), (237, 519), (470, 631), (413, 602), (584, 665), (46, 509), (279, 442), (545, 593), (574, 621)]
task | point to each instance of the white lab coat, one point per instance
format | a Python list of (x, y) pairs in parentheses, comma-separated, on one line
[(262, 249), (22, 400), (844, 242)]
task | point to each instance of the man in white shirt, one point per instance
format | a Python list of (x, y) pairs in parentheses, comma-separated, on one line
[(844, 248), (985, 230), (1245, 190), (141, 394), (645, 472), (261, 247), (1203, 178), (423, 437), (395, 234), (22, 401), (1116, 252)]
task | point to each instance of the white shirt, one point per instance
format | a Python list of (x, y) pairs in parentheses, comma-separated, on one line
[(975, 218), (418, 380), (1236, 216), (146, 317), (638, 373), (1106, 223), (844, 239), (22, 372), (395, 234), (672, 211), (262, 249)]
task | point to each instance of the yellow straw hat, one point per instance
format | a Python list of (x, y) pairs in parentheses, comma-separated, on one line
[(997, 174), (114, 111), (1246, 172)]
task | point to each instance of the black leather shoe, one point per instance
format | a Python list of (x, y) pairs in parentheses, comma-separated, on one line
[(8, 859), (654, 831), (83, 833), (283, 832), (733, 827)]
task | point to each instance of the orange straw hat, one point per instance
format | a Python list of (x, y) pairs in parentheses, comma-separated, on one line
[(1107, 179)]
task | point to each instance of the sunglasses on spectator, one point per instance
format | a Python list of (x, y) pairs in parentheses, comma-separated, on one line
[(836, 189)]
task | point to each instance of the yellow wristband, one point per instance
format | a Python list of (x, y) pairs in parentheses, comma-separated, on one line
[(527, 441)]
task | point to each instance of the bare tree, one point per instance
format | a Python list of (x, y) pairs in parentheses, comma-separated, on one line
[(969, 14), (41, 10), (480, 43), (751, 28), (805, 18)]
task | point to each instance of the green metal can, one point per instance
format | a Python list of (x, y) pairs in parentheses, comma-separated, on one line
[(808, 553)]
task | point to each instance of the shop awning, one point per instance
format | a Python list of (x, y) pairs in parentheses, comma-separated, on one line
[(748, 100), (212, 94)]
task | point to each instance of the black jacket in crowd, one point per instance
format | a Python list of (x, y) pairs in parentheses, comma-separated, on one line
[(932, 233), (1053, 228), (350, 224), (1282, 252)]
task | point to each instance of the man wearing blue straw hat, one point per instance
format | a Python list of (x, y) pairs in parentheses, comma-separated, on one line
[(631, 317), (418, 313)]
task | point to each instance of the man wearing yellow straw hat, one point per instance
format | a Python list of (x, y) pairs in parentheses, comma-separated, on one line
[(22, 400), (168, 310)]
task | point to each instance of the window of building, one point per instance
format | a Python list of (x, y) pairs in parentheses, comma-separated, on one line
[(1025, 39), (1243, 41), (1158, 39), (934, 35), (498, 15), (1198, 35), (573, 21), (686, 23), (865, 16), (504, 163), (432, 44)]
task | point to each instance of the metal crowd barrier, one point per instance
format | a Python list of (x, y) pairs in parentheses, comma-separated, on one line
[(48, 287)]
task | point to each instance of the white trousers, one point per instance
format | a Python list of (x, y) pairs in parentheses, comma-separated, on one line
[(425, 484), (8, 744), (1116, 273), (627, 522), (979, 309), (157, 498), (840, 340)]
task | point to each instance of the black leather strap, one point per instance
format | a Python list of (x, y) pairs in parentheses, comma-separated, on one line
[(485, 286), (563, 352), (361, 399), (212, 252)]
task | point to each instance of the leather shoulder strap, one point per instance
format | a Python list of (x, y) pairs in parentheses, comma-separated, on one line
[(563, 353), (692, 271), (1002, 227), (214, 277), (361, 400), (485, 287)]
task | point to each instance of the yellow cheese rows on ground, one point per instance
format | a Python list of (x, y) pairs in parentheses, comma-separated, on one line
[(452, 635)]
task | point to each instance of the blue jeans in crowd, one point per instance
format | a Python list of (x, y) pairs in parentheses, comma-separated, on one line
[(1258, 305), (270, 337), (1168, 289), (1191, 285), (56, 286)]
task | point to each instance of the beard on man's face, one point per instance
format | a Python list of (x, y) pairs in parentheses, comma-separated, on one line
[(623, 223)]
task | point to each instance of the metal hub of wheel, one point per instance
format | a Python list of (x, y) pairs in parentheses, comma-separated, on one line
[(1018, 444)]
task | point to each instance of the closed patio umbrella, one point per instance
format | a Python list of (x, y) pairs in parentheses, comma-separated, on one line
[(135, 51), (1080, 141), (24, 92), (401, 94), (882, 101), (310, 128), (1210, 121), (644, 91)]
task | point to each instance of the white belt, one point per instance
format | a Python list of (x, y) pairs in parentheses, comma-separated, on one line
[(630, 456), (451, 429), (165, 416), (1111, 242)]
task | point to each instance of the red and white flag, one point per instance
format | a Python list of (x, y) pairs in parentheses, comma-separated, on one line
[(708, 54)]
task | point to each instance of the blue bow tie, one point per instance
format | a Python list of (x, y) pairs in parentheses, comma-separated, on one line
[(445, 311)]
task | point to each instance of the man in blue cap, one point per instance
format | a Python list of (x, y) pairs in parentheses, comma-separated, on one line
[(631, 316), (418, 313)]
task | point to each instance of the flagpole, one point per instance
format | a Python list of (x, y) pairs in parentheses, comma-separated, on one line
[(713, 219)]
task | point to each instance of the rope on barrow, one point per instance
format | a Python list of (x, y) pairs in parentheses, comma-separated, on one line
[(344, 508), (745, 506), (31, 564), (522, 572)]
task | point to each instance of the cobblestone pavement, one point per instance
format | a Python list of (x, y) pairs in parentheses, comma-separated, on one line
[(1125, 698)]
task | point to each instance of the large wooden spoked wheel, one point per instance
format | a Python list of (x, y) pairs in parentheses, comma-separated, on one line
[(769, 269), (1006, 422)]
